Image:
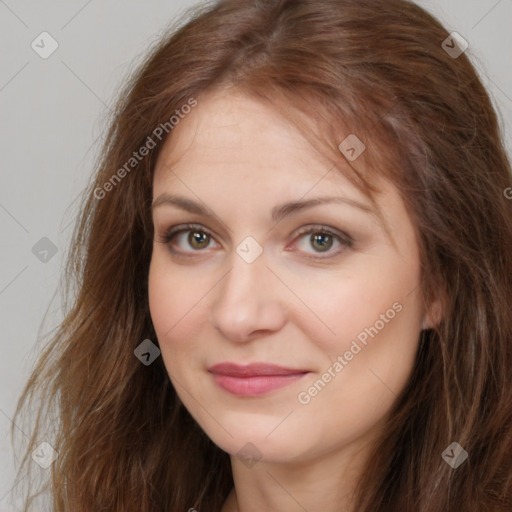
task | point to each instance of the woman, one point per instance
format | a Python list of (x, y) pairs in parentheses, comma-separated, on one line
[(293, 276)]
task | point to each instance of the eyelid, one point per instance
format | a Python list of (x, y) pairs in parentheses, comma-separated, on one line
[(170, 234), (320, 228)]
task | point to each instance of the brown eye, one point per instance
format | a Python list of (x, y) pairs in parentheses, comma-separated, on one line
[(318, 239), (321, 241), (198, 239)]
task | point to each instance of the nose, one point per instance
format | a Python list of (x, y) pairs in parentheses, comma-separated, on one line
[(248, 301)]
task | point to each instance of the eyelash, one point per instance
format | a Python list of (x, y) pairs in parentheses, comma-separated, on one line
[(344, 239)]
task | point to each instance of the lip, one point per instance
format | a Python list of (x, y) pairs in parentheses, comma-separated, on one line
[(254, 379)]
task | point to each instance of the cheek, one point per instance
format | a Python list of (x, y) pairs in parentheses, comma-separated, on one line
[(357, 305), (359, 382), (178, 309), (162, 302), (369, 359)]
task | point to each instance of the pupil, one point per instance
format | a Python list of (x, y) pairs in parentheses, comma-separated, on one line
[(321, 240)]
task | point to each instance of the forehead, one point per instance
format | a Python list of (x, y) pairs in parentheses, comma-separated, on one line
[(231, 136)]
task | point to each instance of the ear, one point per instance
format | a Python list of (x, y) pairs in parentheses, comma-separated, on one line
[(434, 313)]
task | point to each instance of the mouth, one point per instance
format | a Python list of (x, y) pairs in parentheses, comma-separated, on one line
[(255, 379)]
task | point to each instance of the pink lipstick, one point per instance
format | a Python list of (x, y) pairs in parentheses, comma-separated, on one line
[(254, 379)]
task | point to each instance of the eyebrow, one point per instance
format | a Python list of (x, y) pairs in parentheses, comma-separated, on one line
[(277, 213)]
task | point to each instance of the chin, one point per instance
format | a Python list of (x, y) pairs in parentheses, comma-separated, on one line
[(260, 441)]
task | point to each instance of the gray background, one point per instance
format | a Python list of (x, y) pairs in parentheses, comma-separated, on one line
[(53, 117)]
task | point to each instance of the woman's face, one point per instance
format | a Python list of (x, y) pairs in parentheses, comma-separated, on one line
[(318, 289)]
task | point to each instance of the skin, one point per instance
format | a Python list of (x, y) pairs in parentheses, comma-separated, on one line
[(239, 158)]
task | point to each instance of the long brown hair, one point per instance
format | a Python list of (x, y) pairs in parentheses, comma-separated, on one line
[(376, 69)]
